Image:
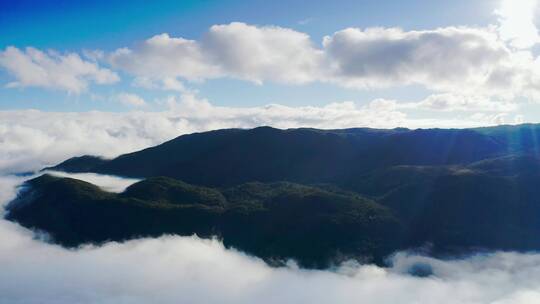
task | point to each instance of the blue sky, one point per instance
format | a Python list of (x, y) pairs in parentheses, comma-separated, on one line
[(72, 25), (60, 28)]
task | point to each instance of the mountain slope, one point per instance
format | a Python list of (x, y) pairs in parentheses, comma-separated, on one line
[(274, 221), (234, 156), (491, 204), (314, 195)]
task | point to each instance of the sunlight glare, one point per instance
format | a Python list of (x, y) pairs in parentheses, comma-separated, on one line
[(517, 26)]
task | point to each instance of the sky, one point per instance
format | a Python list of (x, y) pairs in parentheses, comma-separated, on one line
[(112, 77), (432, 63)]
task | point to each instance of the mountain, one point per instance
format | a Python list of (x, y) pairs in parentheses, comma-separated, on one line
[(319, 196), (275, 221), (233, 156), (491, 204)]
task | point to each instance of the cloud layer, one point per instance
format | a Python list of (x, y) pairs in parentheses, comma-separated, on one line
[(32, 139)]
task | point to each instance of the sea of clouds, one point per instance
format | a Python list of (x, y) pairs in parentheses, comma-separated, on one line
[(174, 269), (32, 139)]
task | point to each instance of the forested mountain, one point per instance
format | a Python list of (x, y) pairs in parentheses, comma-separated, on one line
[(318, 196), (232, 156)]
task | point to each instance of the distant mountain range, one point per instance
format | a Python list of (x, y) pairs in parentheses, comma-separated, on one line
[(318, 196)]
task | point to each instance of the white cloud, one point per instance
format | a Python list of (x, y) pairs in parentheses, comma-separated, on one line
[(108, 183), (473, 61), (172, 84), (263, 53), (166, 83), (236, 50), (451, 102), (439, 59), (380, 113), (132, 100), (31, 139), (68, 72), (203, 114), (164, 56), (491, 61), (517, 22), (497, 118), (94, 55)]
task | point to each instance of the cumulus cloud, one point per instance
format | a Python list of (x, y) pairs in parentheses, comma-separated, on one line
[(132, 100), (165, 56), (441, 59), (472, 61), (263, 53), (68, 72), (236, 49), (491, 61), (469, 60)]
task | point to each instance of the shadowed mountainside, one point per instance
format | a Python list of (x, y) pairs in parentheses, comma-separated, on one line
[(274, 221), (234, 156)]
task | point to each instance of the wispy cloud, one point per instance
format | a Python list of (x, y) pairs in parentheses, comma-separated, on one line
[(305, 21), (106, 182), (131, 100)]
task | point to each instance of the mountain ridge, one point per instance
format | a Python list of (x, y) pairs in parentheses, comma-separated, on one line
[(298, 155), (457, 190)]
